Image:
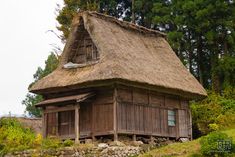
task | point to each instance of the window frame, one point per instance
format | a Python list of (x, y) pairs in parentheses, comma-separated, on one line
[(171, 117)]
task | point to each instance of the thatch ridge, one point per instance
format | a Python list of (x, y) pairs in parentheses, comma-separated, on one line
[(127, 25), (124, 55)]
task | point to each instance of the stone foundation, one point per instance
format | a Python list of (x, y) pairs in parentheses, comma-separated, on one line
[(96, 151)]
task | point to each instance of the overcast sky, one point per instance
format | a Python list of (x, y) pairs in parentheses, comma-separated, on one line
[(24, 45)]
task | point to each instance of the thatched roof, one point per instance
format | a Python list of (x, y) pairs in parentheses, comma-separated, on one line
[(127, 52)]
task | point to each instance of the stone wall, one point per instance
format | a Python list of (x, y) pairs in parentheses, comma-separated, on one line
[(102, 150)]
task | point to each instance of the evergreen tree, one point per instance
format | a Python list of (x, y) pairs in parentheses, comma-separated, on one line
[(116, 8), (200, 32), (31, 99)]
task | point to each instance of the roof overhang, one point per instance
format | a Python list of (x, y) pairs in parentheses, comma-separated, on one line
[(72, 99), (111, 82)]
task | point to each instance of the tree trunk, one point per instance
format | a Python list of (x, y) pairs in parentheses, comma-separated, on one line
[(214, 64), (190, 53), (199, 60), (133, 11)]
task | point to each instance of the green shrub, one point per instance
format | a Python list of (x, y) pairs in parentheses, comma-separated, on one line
[(213, 127), (211, 144), (14, 137), (68, 143), (48, 143), (213, 113)]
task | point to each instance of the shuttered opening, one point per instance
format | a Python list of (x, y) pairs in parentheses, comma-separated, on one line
[(66, 123), (61, 123), (51, 124)]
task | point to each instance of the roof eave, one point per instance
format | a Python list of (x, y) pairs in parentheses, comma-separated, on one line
[(109, 82)]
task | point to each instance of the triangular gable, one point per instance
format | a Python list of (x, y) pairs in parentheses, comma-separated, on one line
[(83, 49)]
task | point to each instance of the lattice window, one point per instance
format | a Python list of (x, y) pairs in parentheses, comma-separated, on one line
[(83, 49), (171, 118)]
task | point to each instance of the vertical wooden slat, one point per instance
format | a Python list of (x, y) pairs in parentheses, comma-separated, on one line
[(141, 118), (57, 124), (183, 125), (134, 115), (150, 119), (92, 52), (77, 107), (115, 105), (158, 119)]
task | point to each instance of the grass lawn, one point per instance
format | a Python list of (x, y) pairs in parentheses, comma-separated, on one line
[(186, 149)]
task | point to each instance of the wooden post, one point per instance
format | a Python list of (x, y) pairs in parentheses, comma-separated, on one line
[(44, 124), (190, 125), (92, 123), (115, 114), (77, 107), (57, 124), (177, 123), (151, 139), (134, 137)]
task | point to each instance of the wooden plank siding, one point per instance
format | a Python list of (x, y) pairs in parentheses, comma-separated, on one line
[(85, 121), (102, 113), (142, 112), (66, 122), (183, 123), (121, 110)]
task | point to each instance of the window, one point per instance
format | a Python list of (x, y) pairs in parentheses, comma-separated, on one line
[(83, 50), (171, 118)]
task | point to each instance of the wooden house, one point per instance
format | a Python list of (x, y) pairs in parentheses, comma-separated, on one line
[(115, 78)]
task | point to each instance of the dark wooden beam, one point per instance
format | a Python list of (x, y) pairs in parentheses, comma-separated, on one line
[(59, 109), (77, 107)]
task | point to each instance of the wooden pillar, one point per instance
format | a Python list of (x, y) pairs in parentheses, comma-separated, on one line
[(190, 125), (115, 114), (57, 124), (44, 124), (134, 137), (177, 123), (151, 139), (77, 107), (93, 122)]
